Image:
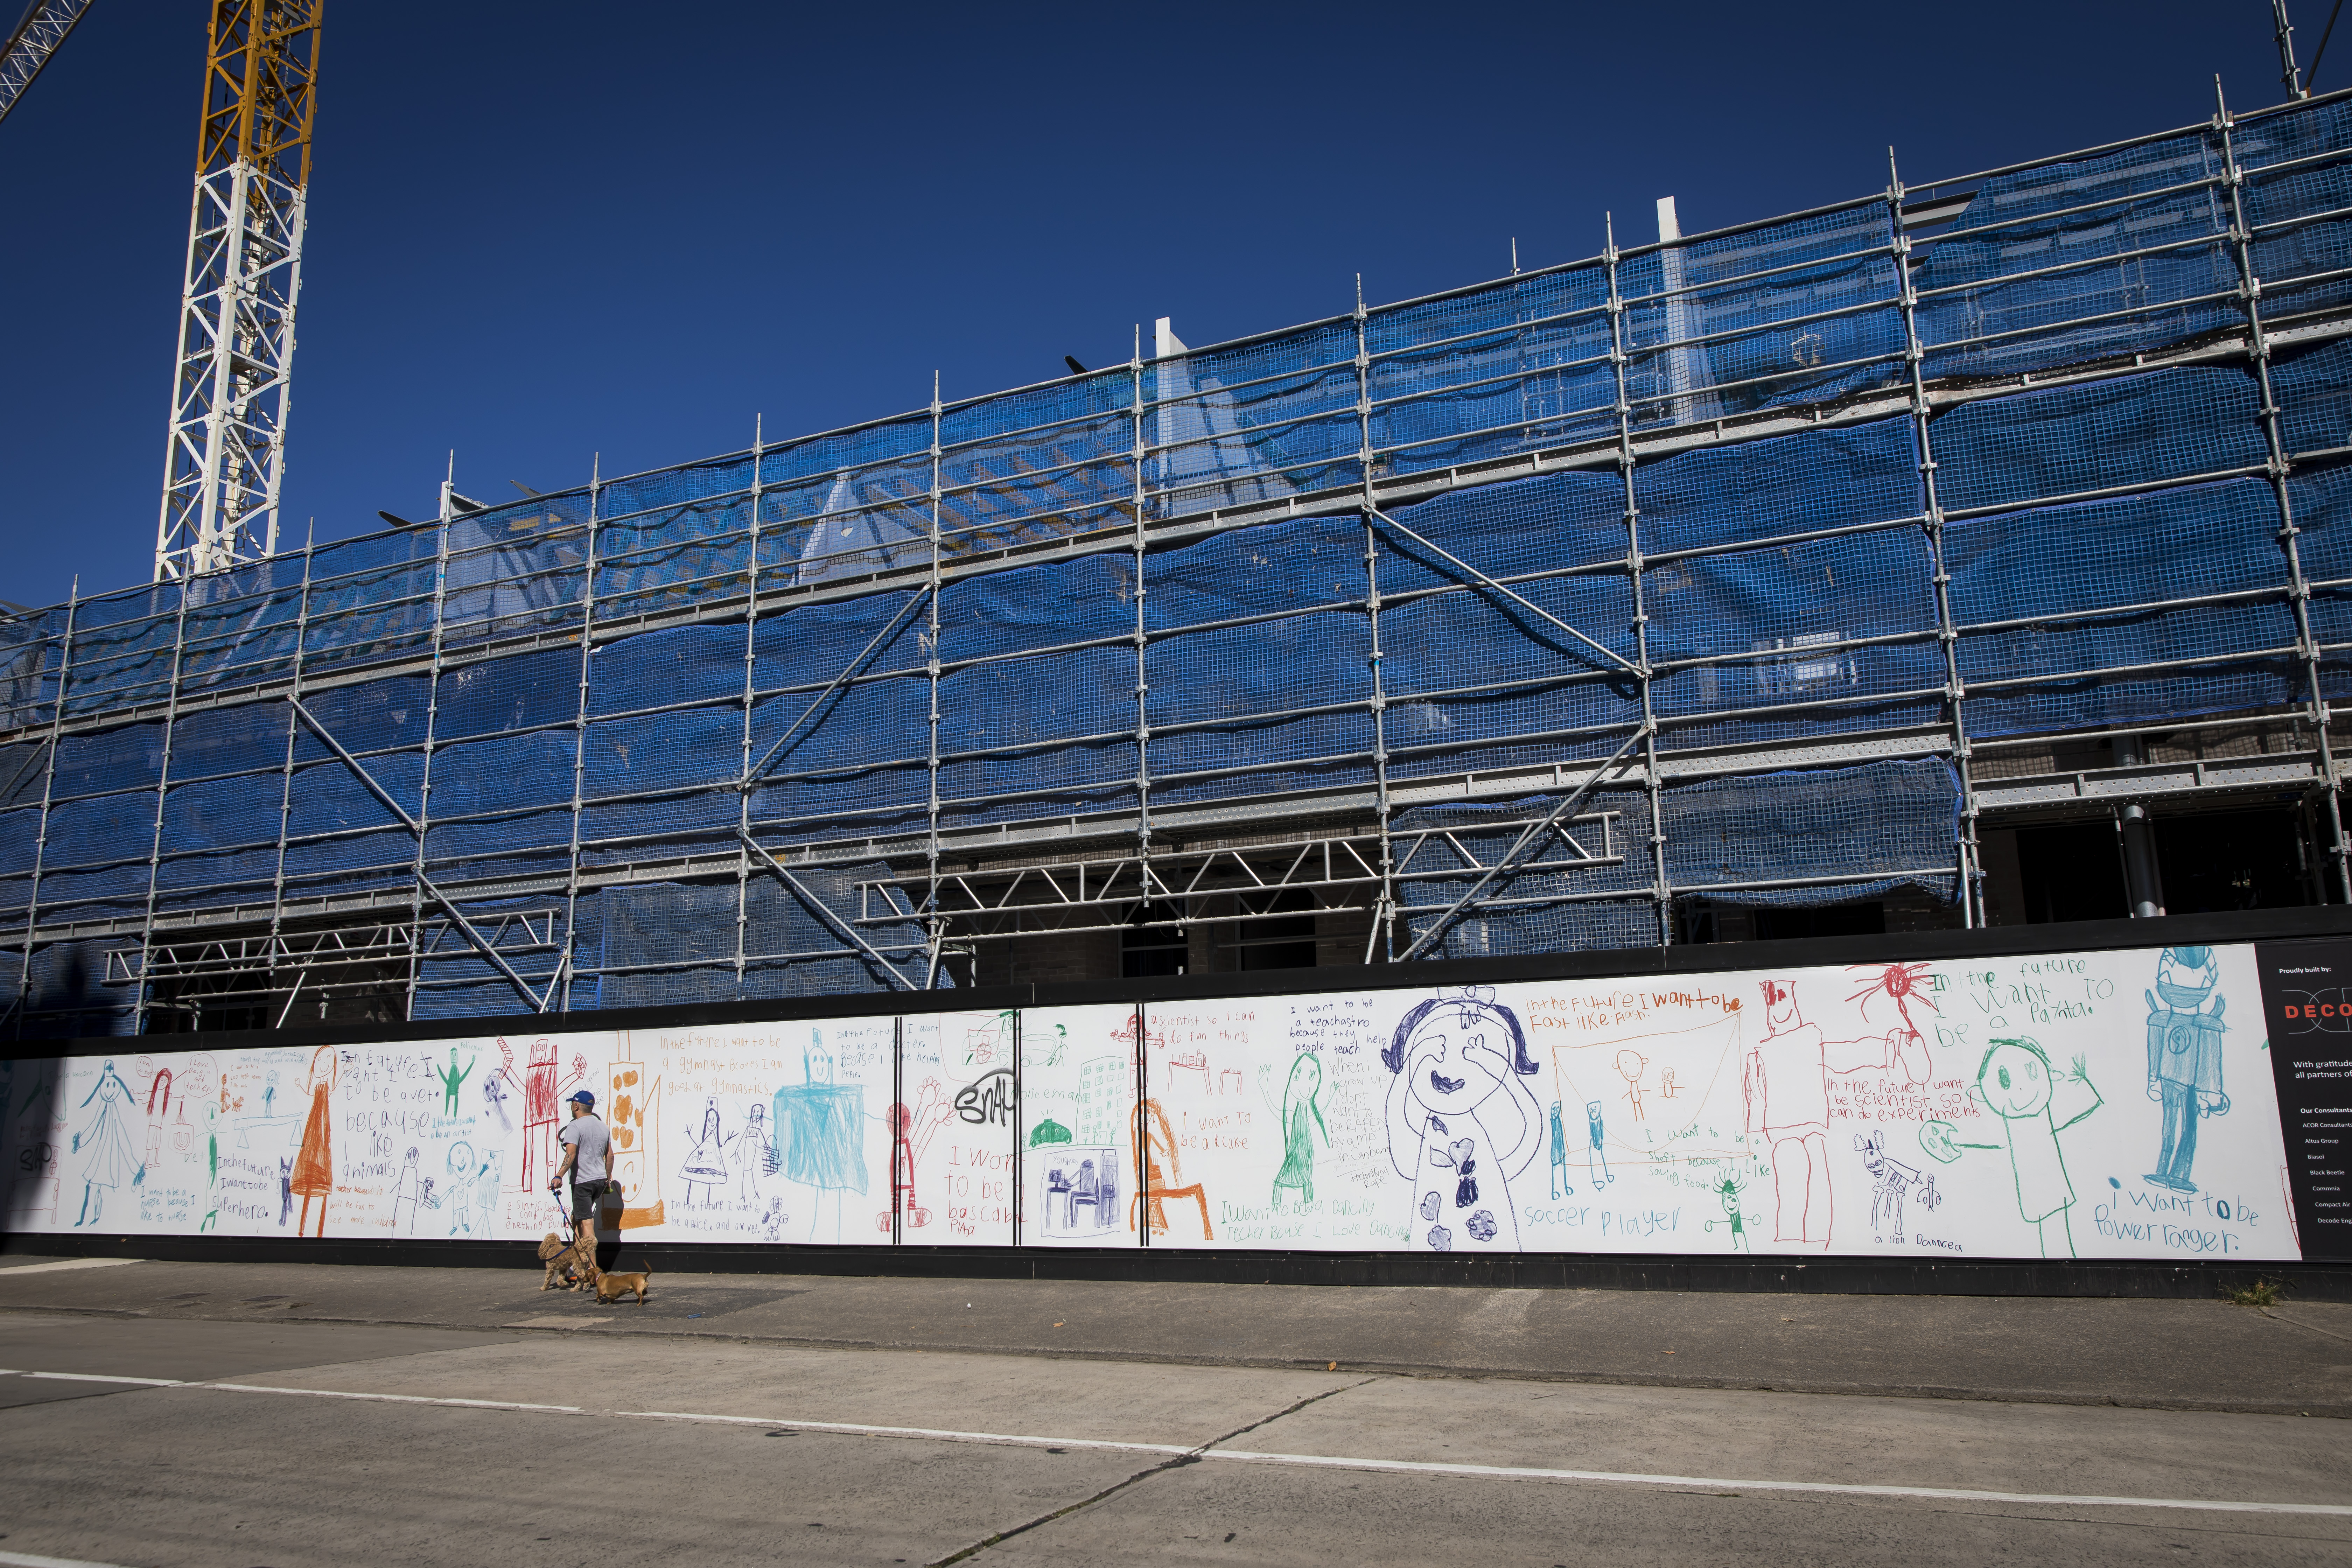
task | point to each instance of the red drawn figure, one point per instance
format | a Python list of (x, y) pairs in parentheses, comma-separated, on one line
[(159, 1110), (1902, 982), (1160, 1140), (907, 1146), (313, 1175), (1788, 1092), (541, 1118)]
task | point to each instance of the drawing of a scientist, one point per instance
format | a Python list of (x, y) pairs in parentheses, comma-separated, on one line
[(1786, 1084), (2017, 1084), (1462, 1121), (2184, 1057)]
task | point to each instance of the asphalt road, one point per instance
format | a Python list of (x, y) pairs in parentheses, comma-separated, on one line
[(279, 1443)]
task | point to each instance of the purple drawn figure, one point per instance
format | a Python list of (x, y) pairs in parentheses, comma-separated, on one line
[(1462, 1121), (494, 1092)]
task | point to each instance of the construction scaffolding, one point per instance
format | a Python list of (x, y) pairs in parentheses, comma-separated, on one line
[(1756, 567)]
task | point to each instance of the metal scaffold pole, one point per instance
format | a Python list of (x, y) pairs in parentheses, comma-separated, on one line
[(48, 790), (2331, 781), (1381, 938), (286, 794), (559, 984), (1147, 881), (436, 665), (937, 933), (1661, 890), (1967, 856), (144, 989), (751, 688)]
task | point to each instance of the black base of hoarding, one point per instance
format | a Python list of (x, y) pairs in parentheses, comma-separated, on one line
[(1525, 1270)]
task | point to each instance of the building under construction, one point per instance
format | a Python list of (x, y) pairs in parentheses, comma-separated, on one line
[(1963, 554)]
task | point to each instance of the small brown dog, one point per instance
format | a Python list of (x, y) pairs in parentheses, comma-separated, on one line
[(566, 1257), (610, 1286)]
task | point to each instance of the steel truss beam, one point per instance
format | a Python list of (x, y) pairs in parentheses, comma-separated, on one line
[(28, 48)]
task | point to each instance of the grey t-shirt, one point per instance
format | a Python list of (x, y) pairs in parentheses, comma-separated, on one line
[(594, 1142)]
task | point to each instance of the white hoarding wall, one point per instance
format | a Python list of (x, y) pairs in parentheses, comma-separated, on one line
[(2110, 1105)]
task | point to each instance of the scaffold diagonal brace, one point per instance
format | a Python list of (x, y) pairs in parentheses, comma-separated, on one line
[(825, 911), (889, 628), (1520, 599)]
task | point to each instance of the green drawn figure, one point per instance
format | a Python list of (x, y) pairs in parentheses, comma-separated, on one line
[(2017, 1084), (450, 1080), (1728, 1196), (1302, 1118)]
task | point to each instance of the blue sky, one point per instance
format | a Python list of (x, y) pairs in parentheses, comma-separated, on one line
[(541, 231)]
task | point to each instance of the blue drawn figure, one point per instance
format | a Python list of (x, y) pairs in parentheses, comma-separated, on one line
[(1891, 1182), (705, 1158), (494, 1092), (2016, 1083), (756, 1153), (1302, 1119), (2184, 1057), (461, 1188), (1560, 1184), (451, 1079), (486, 1191), (1462, 1121), (1596, 1158), (819, 1128), (1727, 1194), (269, 1094), (108, 1137)]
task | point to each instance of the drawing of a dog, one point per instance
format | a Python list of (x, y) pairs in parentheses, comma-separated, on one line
[(569, 1263), (610, 1286)]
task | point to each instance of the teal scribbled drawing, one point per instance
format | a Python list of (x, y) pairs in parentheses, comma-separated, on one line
[(2016, 1083), (1302, 1119), (1559, 1184), (2184, 1058)]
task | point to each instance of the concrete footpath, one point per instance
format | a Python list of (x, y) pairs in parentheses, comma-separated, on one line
[(2293, 1358)]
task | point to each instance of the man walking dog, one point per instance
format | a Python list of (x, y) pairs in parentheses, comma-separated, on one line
[(588, 1160)]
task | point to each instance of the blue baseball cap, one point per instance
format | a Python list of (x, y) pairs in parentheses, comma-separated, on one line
[(581, 1097)]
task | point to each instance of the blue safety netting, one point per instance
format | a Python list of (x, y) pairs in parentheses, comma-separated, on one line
[(1060, 681)]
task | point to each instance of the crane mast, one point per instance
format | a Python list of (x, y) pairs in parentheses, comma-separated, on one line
[(226, 452)]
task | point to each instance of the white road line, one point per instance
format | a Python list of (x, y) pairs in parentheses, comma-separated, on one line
[(935, 1434), (27, 1559), (7, 1269), (1716, 1484), (1243, 1456), (392, 1398)]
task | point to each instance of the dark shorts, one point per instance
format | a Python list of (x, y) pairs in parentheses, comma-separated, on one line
[(585, 1197)]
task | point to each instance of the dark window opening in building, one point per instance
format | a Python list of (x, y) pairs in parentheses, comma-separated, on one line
[(1828, 920), (1282, 943), (2233, 860), (2072, 873), (1144, 951)]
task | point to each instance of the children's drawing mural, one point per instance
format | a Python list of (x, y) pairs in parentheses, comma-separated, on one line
[(1987, 1108)]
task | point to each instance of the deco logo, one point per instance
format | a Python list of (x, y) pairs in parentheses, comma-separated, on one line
[(2326, 1012)]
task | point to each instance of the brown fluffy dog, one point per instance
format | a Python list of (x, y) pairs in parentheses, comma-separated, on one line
[(562, 1258), (610, 1286)]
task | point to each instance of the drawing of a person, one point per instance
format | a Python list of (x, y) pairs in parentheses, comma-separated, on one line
[(1302, 1118), (706, 1160), (314, 1162), (1462, 1121), (461, 1188), (493, 1091), (1560, 1187), (1596, 1158), (112, 1161), (451, 1079), (1728, 1196), (1629, 1067), (407, 1188), (2184, 1057), (1787, 1096), (819, 1130), (754, 1155), (2016, 1083)]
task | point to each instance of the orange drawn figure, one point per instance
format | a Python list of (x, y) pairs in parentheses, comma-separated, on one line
[(1159, 1139), (314, 1166)]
